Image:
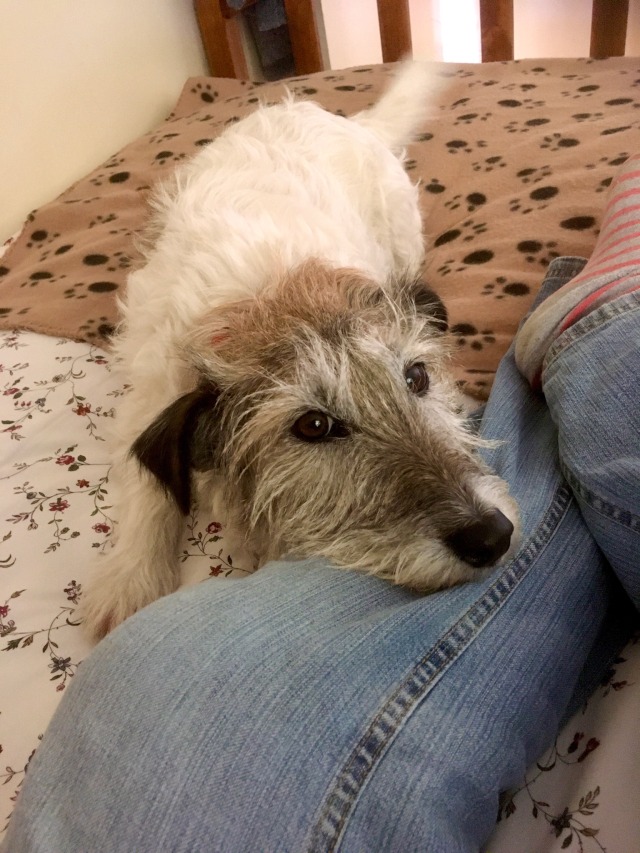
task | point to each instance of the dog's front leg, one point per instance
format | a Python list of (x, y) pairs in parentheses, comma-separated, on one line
[(142, 566)]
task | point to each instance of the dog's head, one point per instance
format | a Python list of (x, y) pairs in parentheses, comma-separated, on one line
[(327, 407)]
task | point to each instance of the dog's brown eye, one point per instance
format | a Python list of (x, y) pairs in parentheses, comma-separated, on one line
[(417, 379), (318, 426)]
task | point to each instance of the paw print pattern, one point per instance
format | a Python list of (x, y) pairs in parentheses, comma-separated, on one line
[(472, 201), (167, 156), (434, 187), (538, 199), (483, 84), (604, 184), (81, 290), (75, 291), (118, 261), (100, 327), (467, 335), (525, 126), (456, 145), (581, 117), (473, 258), (360, 87), (587, 90), (556, 142), (532, 175), (207, 119), (519, 87), (40, 238), (520, 103), (501, 287), (479, 380), (489, 164), (615, 161), (114, 173), (206, 93), (473, 229), (534, 251), (162, 137), (42, 276), (102, 219), (472, 118), (580, 223)]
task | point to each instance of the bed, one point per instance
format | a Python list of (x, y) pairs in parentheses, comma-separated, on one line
[(513, 164)]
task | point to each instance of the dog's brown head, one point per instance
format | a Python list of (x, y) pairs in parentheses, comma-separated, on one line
[(326, 405)]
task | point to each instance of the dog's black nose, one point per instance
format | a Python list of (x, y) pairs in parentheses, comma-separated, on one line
[(484, 541)]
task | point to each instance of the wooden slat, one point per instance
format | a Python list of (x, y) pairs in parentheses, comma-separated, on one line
[(395, 29), (496, 27), (303, 33), (609, 28), (213, 30)]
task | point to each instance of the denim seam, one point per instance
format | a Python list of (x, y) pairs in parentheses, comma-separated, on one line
[(596, 319), (598, 504), (559, 272), (566, 267), (348, 784)]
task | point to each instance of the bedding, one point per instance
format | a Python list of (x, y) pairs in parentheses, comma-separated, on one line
[(512, 166)]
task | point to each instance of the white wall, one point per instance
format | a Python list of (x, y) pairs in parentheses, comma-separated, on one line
[(78, 80)]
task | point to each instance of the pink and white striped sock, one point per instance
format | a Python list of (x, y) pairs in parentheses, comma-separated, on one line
[(613, 270)]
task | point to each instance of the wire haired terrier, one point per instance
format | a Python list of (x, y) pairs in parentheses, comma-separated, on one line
[(281, 346)]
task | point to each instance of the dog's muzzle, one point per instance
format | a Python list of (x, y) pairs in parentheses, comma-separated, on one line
[(483, 542)]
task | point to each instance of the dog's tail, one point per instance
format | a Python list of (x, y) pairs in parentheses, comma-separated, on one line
[(403, 109)]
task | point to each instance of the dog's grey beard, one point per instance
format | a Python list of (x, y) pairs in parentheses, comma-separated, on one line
[(383, 500)]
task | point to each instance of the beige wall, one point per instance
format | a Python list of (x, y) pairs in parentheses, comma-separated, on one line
[(79, 79)]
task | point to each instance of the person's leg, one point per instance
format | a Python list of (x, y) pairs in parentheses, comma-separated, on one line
[(309, 709), (598, 417), (581, 346)]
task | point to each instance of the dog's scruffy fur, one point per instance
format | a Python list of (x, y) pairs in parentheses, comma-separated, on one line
[(281, 347)]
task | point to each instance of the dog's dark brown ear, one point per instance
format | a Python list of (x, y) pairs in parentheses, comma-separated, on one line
[(180, 439), (429, 303)]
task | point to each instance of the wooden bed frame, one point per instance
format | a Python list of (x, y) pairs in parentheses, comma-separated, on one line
[(220, 29)]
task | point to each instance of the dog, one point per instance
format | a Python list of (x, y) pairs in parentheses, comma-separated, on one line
[(282, 348)]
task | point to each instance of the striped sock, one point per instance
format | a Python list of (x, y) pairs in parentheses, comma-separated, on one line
[(613, 270)]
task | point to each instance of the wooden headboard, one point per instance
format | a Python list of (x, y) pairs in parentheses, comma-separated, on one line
[(221, 38)]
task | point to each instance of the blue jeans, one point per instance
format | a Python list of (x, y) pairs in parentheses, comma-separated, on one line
[(311, 709)]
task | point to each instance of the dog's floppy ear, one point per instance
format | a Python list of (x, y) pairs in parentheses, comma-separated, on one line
[(429, 303), (178, 440)]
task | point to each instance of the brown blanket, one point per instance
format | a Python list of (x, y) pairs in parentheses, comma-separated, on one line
[(513, 162)]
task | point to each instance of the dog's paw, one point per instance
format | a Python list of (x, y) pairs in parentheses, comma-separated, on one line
[(112, 597), (99, 618)]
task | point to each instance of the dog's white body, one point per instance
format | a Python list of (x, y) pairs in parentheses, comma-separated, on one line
[(289, 183)]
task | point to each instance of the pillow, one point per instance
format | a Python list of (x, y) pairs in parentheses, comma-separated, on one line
[(513, 163)]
